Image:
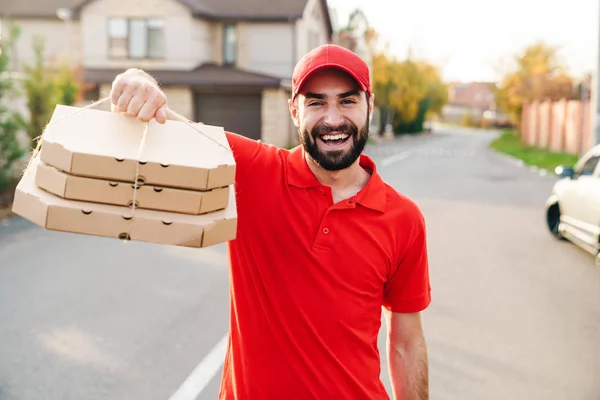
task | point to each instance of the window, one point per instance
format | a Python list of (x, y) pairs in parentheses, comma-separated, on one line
[(117, 37), (229, 44), (587, 169), (135, 38)]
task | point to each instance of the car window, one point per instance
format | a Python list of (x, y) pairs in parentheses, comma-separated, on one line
[(587, 168)]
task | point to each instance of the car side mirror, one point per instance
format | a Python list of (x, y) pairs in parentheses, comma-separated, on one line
[(564, 171)]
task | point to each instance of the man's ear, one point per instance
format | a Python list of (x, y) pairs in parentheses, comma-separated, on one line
[(294, 111), (371, 106)]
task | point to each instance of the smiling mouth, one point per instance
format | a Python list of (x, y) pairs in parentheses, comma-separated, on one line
[(334, 138)]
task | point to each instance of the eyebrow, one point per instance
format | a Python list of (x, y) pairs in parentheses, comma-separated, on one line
[(320, 96)]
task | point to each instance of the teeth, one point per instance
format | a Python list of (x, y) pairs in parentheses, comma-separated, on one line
[(341, 136)]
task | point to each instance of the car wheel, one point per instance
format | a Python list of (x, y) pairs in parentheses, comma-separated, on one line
[(553, 221)]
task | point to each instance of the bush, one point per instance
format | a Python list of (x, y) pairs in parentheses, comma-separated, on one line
[(10, 122), (415, 126), (41, 91), (47, 86)]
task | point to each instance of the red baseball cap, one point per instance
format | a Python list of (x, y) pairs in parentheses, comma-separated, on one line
[(331, 56)]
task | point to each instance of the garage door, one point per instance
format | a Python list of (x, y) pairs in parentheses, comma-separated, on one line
[(239, 113)]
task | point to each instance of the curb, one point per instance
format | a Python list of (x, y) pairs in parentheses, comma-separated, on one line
[(520, 163)]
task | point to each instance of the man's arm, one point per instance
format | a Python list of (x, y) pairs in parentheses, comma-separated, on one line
[(407, 356)]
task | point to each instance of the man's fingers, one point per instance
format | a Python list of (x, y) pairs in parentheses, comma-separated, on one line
[(150, 109), (143, 97), (135, 105), (138, 97), (154, 100), (161, 115), (126, 96), (117, 90)]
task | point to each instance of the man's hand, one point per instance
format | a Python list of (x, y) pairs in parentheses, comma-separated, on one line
[(407, 356), (135, 93)]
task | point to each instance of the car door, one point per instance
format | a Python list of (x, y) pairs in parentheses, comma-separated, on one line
[(588, 200), (581, 212), (567, 189)]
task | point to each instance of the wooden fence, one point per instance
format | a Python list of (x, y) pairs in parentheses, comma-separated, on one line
[(562, 126)]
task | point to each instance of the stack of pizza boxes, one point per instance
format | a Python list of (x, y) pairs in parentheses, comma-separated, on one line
[(101, 173)]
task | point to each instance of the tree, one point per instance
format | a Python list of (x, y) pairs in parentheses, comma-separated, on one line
[(41, 91), (437, 90), (537, 75), (10, 122), (407, 91)]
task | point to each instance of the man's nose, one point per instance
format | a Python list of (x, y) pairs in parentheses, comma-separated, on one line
[(334, 117)]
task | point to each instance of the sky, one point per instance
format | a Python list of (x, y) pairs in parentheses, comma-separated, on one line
[(474, 40)]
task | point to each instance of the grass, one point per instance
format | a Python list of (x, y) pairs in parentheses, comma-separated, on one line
[(510, 143)]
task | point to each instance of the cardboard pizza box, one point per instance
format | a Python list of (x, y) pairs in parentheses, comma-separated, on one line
[(55, 213), (106, 145), (149, 197)]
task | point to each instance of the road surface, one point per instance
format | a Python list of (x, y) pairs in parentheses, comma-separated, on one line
[(515, 314)]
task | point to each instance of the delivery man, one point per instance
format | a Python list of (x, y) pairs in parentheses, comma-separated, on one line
[(323, 244)]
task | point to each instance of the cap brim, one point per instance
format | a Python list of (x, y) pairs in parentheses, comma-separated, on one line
[(328, 66)]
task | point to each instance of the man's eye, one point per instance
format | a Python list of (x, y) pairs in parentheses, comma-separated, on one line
[(348, 101), (316, 103)]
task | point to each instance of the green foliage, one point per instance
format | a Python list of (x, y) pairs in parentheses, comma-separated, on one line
[(46, 88), (67, 86), (10, 122), (41, 91), (537, 75), (511, 143), (416, 125), (407, 92)]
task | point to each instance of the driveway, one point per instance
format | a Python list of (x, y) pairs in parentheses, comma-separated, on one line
[(515, 314)]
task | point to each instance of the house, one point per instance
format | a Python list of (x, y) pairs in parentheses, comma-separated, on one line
[(472, 100), (222, 62)]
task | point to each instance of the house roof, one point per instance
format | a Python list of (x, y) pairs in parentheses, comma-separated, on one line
[(248, 10), (206, 75), (36, 8)]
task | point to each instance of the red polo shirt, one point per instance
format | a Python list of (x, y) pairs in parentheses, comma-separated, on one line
[(309, 278)]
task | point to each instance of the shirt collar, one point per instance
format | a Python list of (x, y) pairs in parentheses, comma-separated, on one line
[(372, 196)]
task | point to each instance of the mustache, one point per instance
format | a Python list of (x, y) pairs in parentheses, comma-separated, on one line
[(345, 127)]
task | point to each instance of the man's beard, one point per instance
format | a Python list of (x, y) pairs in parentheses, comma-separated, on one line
[(335, 160)]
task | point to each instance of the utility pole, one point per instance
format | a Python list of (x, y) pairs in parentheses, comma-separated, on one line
[(583, 99), (595, 88)]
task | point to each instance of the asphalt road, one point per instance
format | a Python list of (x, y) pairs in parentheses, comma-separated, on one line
[(515, 314)]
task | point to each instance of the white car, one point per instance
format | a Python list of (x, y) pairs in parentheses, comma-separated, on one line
[(573, 209)]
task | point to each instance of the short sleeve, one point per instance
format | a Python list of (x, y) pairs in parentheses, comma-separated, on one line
[(408, 288), (245, 151)]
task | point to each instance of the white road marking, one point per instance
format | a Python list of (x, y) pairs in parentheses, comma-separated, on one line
[(203, 373), (396, 157)]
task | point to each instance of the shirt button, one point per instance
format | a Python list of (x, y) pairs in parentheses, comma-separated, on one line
[(321, 191), (325, 231)]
